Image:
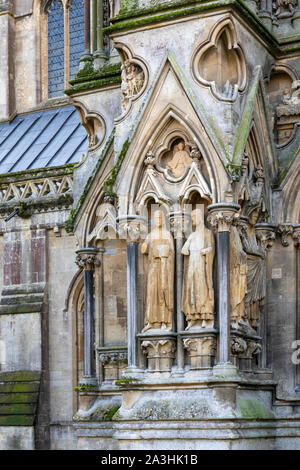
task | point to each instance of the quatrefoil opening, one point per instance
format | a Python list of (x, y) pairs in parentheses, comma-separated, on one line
[(219, 63)]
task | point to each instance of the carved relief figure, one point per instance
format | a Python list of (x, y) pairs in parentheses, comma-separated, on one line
[(256, 274), (180, 161), (132, 81), (284, 8), (198, 292), (159, 246)]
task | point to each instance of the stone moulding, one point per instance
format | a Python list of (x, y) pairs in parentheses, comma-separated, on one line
[(35, 191)]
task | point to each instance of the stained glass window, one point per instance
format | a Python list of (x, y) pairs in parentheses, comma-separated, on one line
[(76, 35), (56, 62), (63, 58)]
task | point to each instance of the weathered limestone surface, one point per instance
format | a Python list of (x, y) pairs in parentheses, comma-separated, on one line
[(148, 329)]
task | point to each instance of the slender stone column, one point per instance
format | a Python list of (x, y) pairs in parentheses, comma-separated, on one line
[(130, 228), (87, 27), (177, 227), (86, 259), (296, 236), (221, 216), (99, 311), (99, 54)]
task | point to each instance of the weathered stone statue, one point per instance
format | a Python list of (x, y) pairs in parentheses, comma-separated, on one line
[(256, 272), (198, 292), (238, 277), (181, 159), (159, 246), (132, 81)]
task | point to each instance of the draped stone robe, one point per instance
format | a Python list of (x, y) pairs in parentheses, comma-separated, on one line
[(159, 246), (198, 293)]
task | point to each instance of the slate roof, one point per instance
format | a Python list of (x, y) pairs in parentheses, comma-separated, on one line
[(41, 139)]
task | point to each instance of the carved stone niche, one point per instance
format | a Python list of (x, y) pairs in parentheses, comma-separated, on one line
[(288, 113), (113, 360), (133, 75), (160, 352), (219, 62), (201, 350), (243, 351)]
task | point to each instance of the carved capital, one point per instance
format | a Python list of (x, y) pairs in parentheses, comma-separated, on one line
[(179, 223), (112, 358), (201, 350), (132, 228), (266, 235), (285, 230), (160, 354), (222, 216), (87, 258)]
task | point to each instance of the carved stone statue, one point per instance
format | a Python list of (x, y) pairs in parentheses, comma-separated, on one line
[(181, 159), (132, 81), (238, 277), (198, 292), (159, 246), (256, 273)]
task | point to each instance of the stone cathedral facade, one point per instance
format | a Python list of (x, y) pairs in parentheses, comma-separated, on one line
[(150, 224)]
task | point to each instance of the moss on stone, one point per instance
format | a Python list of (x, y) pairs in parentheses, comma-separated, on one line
[(20, 387), (124, 382), (93, 84), (254, 409), (129, 17), (109, 414), (6, 398), (20, 376), (17, 409), (17, 420)]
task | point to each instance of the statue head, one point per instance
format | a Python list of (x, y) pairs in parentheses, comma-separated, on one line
[(198, 217), (158, 219), (253, 215), (181, 146)]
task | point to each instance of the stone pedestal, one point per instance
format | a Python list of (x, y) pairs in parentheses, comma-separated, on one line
[(243, 350), (114, 361), (201, 348), (159, 349)]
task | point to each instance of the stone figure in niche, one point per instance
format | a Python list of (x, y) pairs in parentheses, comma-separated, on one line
[(238, 277), (198, 292), (256, 270), (159, 247), (132, 81), (180, 161)]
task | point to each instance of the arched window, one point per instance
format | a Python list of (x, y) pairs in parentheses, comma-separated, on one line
[(65, 43)]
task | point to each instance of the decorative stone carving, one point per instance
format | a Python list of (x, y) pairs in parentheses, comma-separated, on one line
[(288, 114), (243, 351), (201, 350), (222, 216), (285, 230), (284, 8), (92, 140), (159, 247), (160, 354), (106, 225), (133, 228), (220, 64), (198, 291), (87, 258), (180, 161), (113, 361), (238, 277), (256, 272), (133, 79)]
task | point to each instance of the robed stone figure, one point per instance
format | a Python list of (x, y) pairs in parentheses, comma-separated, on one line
[(159, 246), (198, 292)]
